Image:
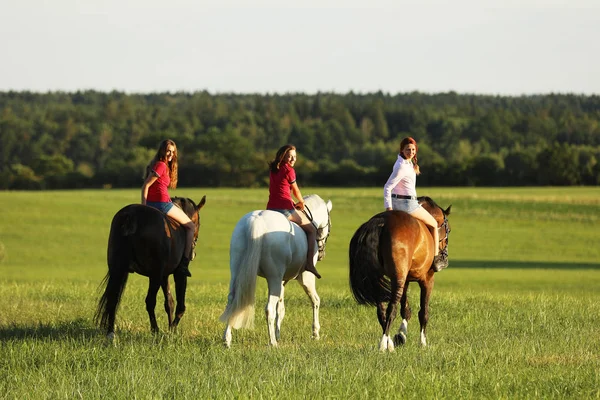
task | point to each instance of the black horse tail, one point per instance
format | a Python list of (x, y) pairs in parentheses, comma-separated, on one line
[(367, 280), (119, 258)]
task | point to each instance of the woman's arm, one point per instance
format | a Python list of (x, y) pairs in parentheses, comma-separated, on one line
[(297, 195), (391, 183), (147, 183)]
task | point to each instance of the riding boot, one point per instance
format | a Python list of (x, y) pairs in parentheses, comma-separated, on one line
[(182, 268), (311, 268), (439, 262)]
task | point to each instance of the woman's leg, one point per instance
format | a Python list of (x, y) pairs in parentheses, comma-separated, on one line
[(423, 215), (311, 237), (440, 261), (178, 215)]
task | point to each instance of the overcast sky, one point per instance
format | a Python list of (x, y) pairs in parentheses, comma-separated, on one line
[(506, 47)]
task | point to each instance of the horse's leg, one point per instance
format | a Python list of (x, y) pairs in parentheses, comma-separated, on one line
[(280, 313), (169, 304), (270, 310), (381, 309), (153, 287), (227, 336), (397, 289), (180, 288), (308, 283), (426, 288), (400, 337)]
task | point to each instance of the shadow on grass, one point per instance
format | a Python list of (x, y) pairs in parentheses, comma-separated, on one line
[(521, 265), (82, 330), (77, 329)]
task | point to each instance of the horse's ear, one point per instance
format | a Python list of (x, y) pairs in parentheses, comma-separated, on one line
[(201, 204), (447, 210), (329, 205)]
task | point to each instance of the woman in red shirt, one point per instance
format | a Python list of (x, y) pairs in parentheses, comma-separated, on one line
[(282, 183), (161, 174)]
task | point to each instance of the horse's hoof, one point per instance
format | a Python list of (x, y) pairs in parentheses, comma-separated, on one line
[(399, 339), (383, 344), (111, 339)]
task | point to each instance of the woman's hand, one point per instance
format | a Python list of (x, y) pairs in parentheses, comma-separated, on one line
[(299, 206)]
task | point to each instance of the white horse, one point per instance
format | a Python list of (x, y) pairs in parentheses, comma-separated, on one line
[(265, 243)]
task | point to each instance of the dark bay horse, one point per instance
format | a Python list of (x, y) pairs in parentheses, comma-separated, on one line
[(386, 253), (146, 241)]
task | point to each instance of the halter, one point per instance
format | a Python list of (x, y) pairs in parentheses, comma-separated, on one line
[(321, 241)]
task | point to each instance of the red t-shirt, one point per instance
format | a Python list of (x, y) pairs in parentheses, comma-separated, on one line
[(280, 190), (157, 192)]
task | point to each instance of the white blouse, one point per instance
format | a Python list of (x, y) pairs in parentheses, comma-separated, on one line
[(403, 181)]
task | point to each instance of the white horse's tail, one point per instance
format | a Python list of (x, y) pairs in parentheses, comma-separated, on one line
[(244, 263)]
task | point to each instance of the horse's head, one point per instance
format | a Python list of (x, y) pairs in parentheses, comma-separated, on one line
[(193, 211), (441, 216), (318, 211)]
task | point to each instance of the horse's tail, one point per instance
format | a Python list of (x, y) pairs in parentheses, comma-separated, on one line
[(118, 257), (245, 254), (367, 280)]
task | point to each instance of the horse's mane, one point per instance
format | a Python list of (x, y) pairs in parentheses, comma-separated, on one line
[(428, 200), (311, 196)]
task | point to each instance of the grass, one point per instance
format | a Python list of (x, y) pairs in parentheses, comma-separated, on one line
[(515, 316)]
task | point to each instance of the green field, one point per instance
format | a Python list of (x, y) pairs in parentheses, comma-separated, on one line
[(516, 315)]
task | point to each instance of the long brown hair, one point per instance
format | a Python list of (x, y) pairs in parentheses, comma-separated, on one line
[(405, 142), (281, 154), (161, 155)]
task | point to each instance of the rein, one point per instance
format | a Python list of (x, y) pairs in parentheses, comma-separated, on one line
[(197, 223), (445, 225), (321, 241)]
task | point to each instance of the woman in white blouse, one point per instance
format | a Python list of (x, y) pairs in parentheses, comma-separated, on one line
[(399, 193)]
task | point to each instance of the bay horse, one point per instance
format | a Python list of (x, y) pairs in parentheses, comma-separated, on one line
[(145, 241), (265, 243), (386, 253)]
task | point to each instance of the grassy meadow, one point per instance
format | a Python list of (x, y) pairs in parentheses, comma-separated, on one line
[(516, 315)]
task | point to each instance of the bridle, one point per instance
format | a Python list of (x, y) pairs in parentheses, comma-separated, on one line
[(321, 241), (198, 228), (446, 226)]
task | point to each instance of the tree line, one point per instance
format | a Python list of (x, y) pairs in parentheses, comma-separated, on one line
[(91, 139)]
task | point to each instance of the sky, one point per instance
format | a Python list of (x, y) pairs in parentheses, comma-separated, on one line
[(497, 47)]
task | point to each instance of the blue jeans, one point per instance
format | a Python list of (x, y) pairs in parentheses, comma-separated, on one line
[(287, 213), (162, 206), (405, 205)]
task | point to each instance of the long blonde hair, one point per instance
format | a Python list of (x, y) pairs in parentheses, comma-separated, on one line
[(161, 155)]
